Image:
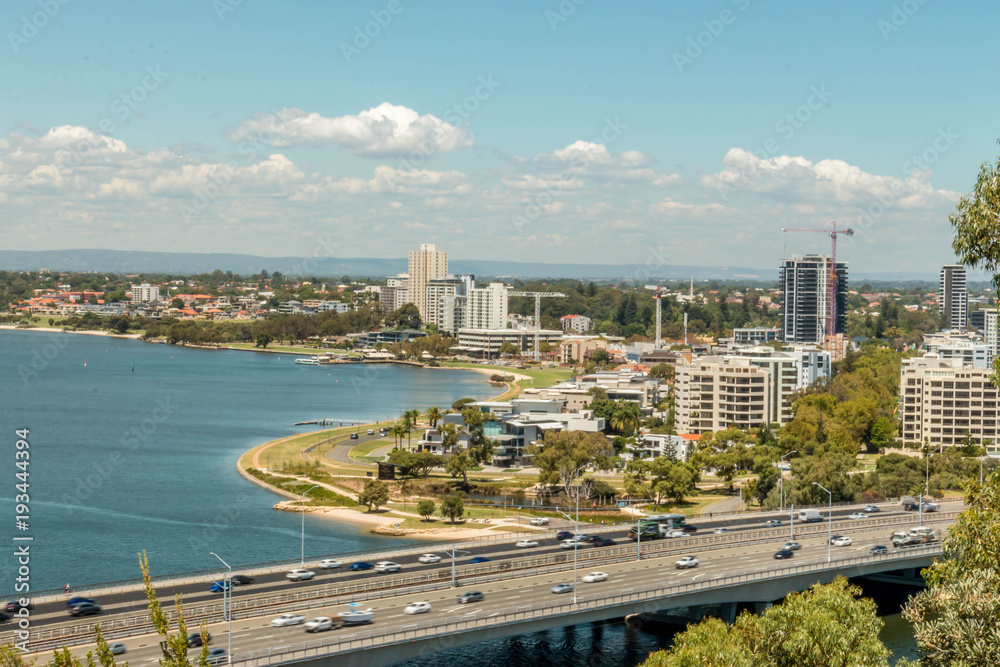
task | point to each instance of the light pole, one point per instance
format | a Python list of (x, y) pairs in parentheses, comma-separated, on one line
[(227, 603), (781, 480), (453, 554), (302, 556), (576, 547), (638, 538), (829, 521), (927, 484)]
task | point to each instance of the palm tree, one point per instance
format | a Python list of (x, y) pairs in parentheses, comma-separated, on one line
[(410, 418), (625, 418), (433, 415)]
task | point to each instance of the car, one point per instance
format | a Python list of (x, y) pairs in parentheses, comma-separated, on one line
[(526, 544), (929, 507), (688, 528), (387, 566), (792, 546), (319, 624), (834, 538), (562, 588), (361, 565), (564, 535), (858, 515), (216, 656), (4, 617), (471, 596), (219, 587), (430, 558), (539, 521), (17, 606), (417, 608), (871, 509), (583, 537), (676, 533), (720, 531), (241, 580), (371, 431), (479, 559), (603, 542), (85, 609), (72, 602), (330, 563), (354, 436), (288, 619), (117, 648), (910, 507), (594, 577), (774, 523), (781, 554), (878, 550), (687, 562), (842, 542), (571, 544), (300, 575), (195, 639)]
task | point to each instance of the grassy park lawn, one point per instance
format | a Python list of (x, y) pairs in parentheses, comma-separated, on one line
[(292, 349), (540, 377)]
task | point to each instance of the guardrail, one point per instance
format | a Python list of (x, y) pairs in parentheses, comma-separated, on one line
[(119, 628), (508, 616)]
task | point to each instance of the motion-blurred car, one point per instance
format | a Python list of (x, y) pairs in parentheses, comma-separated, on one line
[(781, 554), (792, 546), (330, 563), (288, 619), (479, 559), (430, 558), (361, 565), (471, 596), (242, 580), (878, 550), (562, 588), (417, 608), (842, 542), (300, 575), (858, 515), (594, 577), (687, 562), (117, 648), (526, 544)]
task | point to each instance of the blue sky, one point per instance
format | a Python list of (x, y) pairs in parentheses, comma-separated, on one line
[(535, 131)]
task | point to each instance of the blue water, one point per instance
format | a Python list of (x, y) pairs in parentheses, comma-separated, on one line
[(123, 461)]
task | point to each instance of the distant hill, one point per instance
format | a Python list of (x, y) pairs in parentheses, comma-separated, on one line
[(131, 261)]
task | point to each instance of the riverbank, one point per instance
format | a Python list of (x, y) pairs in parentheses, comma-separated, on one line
[(87, 332)]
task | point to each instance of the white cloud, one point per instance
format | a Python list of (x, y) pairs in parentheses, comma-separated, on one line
[(594, 160), (669, 206), (544, 182), (387, 179), (387, 130)]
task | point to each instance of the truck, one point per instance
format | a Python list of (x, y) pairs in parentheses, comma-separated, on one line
[(808, 516), (913, 537)]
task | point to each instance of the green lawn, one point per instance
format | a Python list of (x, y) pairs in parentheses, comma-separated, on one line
[(540, 377)]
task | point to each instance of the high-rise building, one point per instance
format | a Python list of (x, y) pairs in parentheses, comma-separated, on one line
[(437, 289), (953, 298), (806, 308), (486, 307), (396, 292), (425, 265), (145, 293), (713, 395)]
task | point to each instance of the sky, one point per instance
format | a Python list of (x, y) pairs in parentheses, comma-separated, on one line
[(578, 131)]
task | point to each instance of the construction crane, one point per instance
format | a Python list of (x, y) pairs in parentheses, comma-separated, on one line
[(657, 297), (538, 311), (831, 321)]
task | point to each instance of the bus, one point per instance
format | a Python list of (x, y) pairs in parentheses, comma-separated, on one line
[(668, 521)]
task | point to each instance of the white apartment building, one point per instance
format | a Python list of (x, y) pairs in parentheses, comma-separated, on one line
[(755, 335), (438, 289), (713, 395), (396, 292), (941, 404), (990, 323), (425, 265), (783, 379), (953, 297), (336, 306), (812, 363), (487, 342), (578, 323), (486, 307), (144, 293)]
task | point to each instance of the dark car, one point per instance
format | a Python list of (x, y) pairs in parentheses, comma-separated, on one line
[(586, 538), (781, 554), (361, 565), (17, 606), (688, 528), (480, 559), (354, 436), (85, 609), (774, 523), (471, 596), (72, 602), (564, 535), (603, 542), (4, 617), (910, 507), (194, 639), (872, 509), (878, 549), (241, 580)]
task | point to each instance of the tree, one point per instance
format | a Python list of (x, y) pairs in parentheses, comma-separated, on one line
[(458, 464), (177, 303), (452, 507), (375, 494), (662, 371), (564, 452), (433, 415), (263, 340), (600, 357), (425, 508), (507, 348), (625, 417)]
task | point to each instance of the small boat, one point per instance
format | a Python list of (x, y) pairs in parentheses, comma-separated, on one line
[(357, 616), (307, 361)]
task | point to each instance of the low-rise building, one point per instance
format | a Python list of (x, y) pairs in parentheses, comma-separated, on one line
[(580, 348), (579, 323), (486, 343)]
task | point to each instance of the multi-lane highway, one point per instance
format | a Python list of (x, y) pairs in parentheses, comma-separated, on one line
[(269, 595)]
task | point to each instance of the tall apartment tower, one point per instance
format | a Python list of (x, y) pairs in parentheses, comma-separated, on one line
[(805, 308), (425, 264), (953, 297)]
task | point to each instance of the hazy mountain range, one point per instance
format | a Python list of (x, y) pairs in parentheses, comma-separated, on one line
[(130, 261)]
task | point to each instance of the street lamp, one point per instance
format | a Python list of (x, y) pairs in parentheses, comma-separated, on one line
[(829, 522), (302, 556), (576, 548), (227, 603), (927, 486), (781, 480)]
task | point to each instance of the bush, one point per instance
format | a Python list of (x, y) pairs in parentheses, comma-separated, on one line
[(425, 508)]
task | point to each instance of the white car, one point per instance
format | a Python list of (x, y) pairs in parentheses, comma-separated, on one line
[(594, 577), (300, 575), (117, 648), (842, 542), (525, 544), (571, 544), (539, 521), (687, 562), (330, 563), (676, 533), (429, 558), (319, 624), (418, 608), (288, 619), (858, 515), (387, 566)]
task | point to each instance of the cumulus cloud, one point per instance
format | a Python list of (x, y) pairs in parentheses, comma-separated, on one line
[(387, 130), (386, 179), (669, 206), (594, 160)]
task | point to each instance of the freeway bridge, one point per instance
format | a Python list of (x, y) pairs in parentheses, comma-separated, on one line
[(735, 566)]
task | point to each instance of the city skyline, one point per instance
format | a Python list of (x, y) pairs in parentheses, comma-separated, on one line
[(680, 140)]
